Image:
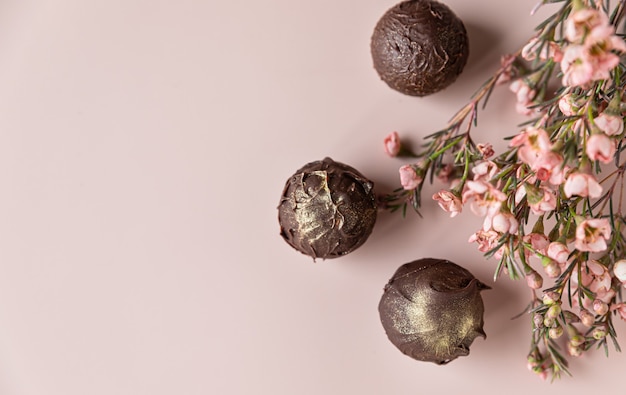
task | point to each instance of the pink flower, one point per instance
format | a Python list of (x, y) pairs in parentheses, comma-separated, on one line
[(532, 143), (524, 94), (577, 70), (487, 240), (581, 22), (582, 184), (600, 147), (484, 198), (486, 150), (621, 309), (558, 175), (449, 202), (558, 252), (552, 269), (485, 170), (506, 69), (595, 277), (444, 173), (501, 222), (546, 164), (409, 177), (392, 144), (593, 59), (599, 43), (619, 270), (546, 50), (592, 234), (568, 105), (611, 125), (534, 280), (540, 199), (538, 244)]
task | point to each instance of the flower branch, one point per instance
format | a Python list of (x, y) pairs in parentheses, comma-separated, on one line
[(551, 203)]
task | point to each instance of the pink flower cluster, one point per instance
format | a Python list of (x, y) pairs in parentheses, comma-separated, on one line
[(594, 277), (590, 55)]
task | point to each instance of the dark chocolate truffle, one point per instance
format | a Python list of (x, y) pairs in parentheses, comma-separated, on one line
[(419, 47), (432, 310), (327, 209)]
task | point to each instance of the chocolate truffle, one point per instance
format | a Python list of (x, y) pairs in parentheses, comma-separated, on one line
[(327, 209), (432, 310), (419, 47)]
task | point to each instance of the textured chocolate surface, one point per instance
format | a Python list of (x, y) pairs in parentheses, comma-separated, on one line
[(419, 47), (432, 310), (327, 209)]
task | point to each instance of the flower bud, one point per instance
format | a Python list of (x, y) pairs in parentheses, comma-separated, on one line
[(410, 177), (553, 311), (555, 332), (577, 340), (552, 269), (600, 307), (549, 322), (551, 297), (598, 333), (574, 350), (392, 144), (538, 320), (534, 280), (587, 318)]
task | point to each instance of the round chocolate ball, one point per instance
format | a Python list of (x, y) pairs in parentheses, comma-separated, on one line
[(419, 47), (432, 310), (327, 209)]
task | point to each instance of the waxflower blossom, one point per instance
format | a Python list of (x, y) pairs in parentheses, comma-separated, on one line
[(532, 143), (609, 124), (600, 147), (619, 270), (537, 241), (534, 280), (486, 240), (582, 21), (484, 198), (484, 171), (621, 310), (552, 269), (569, 105), (449, 202), (600, 43), (549, 50), (592, 234), (590, 57), (596, 277), (392, 144), (577, 70), (486, 150), (544, 201), (558, 252), (524, 94), (409, 177), (501, 222), (582, 184), (547, 165)]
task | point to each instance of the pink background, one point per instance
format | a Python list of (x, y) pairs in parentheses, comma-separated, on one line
[(143, 148)]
